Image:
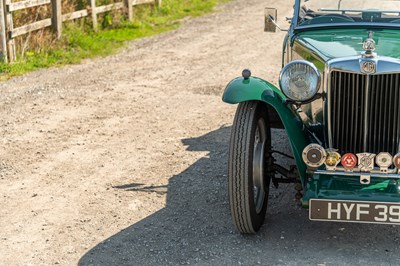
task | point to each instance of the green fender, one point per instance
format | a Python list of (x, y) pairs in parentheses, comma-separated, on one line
[(241, 90)]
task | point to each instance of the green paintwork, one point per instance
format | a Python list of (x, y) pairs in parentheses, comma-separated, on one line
[(320, 46), (315, 185), (335, 43), (241, 90), (349, 188)]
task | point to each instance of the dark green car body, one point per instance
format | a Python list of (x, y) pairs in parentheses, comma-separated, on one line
[(325, 46)]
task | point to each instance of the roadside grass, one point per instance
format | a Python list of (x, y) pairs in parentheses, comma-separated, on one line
[(79, 41)]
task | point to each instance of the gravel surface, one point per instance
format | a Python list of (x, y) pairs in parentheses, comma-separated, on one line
[(123, 160)]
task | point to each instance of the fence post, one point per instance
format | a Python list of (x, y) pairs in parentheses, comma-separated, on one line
[(129, 4), (56, 17), (3, 36), (9, 27), (94, 15)]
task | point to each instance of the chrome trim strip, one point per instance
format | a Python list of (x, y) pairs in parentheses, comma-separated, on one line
[(286, 49), (351, 25), (366, 107), (374, 173), (397, 115), (357, 10), (351, 64), (327, 105)]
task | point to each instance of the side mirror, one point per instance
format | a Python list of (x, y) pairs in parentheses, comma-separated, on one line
[(271, 16)]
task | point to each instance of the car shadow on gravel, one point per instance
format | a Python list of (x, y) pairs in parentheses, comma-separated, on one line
[(195, 226)]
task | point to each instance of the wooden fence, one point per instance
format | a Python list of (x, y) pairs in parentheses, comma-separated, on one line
[(8, 32)]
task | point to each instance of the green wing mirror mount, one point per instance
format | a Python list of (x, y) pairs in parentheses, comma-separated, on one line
[(271, 18)]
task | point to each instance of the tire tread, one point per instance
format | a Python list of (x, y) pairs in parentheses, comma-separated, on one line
[(239, 168)]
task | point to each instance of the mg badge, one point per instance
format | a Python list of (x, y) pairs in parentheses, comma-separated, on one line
[(366, 161), (332, 159), (384, 160), (314, 156), (349, 161), (368, 67)]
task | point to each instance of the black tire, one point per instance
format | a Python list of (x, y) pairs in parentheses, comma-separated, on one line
[(248, 182)]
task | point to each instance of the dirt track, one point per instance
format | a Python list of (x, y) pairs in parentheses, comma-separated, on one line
[(122, 160)]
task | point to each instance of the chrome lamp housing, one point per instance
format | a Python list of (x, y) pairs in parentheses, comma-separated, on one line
[(300, 80)]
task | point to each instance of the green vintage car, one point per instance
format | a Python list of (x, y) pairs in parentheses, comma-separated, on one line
[(339, 102)]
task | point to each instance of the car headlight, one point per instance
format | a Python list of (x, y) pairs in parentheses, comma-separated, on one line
[(300, 80)]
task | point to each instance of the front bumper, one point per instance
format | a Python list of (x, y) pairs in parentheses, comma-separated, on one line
[(347, 186)]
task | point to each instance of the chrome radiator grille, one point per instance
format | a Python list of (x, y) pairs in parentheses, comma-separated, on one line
[(365, 112)]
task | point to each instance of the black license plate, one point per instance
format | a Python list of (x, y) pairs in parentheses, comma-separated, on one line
[(355, 211)]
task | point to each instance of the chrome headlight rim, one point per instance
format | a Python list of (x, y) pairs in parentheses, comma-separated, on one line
[(313, 67)]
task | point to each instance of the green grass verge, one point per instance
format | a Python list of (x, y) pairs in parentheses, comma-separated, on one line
[(80, 42)]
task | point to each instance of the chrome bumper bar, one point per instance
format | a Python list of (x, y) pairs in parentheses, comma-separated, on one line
[(392, 173)]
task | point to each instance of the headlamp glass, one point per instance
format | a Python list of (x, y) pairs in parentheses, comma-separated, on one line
[(300, 80)]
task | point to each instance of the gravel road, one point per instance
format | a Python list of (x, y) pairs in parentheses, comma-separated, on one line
[(123, 160)]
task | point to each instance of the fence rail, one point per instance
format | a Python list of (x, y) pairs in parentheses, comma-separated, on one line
[(8, 33)]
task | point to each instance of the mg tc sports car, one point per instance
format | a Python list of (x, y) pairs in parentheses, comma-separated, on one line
[(338, 100)]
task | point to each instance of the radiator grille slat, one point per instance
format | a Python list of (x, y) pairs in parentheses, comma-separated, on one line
[(391, 106), (365, 108), (346, 117), (351, 105), (396, 114)]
